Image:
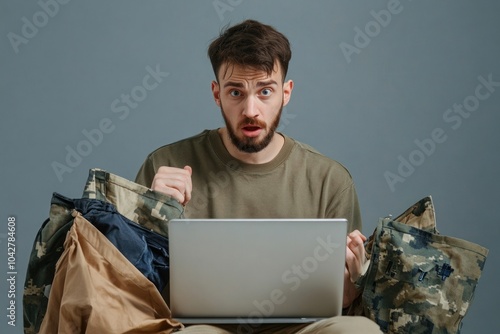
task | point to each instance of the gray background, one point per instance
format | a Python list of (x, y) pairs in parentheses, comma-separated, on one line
[(365, 111)]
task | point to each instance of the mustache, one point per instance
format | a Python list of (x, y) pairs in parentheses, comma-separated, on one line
[(251, 121)]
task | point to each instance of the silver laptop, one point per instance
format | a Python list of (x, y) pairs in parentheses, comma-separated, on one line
[(252, 271)]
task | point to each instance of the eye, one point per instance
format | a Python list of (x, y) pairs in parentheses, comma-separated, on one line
[(235, 93), (266, 91)]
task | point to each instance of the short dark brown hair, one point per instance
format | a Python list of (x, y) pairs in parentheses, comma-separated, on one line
[(250, 43)]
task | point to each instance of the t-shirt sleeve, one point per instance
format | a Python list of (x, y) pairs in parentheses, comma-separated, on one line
[(346, 205), (146, 173)]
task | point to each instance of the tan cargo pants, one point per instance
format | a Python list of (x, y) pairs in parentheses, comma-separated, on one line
[(336, 325)]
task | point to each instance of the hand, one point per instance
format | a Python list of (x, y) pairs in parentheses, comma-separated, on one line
[(355, 259), (175, 182), (355, 255)]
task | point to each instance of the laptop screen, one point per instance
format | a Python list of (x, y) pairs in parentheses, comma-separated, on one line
[(256, 270)]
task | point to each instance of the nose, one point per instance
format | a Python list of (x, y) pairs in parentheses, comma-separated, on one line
[(250, 107)]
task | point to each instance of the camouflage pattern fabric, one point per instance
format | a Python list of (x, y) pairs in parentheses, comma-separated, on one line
[(142, 205), (420, 215), (46, 251), (419, 281), (148, 208)]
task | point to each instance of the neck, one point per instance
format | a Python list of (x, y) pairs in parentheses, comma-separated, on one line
[(265, 155)]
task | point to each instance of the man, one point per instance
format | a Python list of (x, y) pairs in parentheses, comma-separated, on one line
[(247, 169)]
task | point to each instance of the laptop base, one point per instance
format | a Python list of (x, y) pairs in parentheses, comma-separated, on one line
[(250, 321)]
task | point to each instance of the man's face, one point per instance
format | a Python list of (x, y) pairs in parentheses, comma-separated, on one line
[(251, 102)]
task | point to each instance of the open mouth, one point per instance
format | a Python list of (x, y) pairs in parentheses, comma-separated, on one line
[(251, 130)]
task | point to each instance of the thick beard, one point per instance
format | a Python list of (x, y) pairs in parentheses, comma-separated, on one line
[(251, 145)]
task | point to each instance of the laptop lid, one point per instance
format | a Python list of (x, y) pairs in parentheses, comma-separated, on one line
[(256, 270)]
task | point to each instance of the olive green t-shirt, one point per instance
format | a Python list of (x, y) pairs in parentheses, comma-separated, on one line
[(298, 183)]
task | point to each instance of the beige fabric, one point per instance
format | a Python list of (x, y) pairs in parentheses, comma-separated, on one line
[(97, 290), (336, 325)]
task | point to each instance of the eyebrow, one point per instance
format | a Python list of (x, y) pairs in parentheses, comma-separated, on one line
[(233, 84), (259, 84), (266, 83)]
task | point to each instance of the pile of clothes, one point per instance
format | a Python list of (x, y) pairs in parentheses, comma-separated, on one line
[(100, 263)]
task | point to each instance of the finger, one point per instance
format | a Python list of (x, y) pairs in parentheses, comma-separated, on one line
[(355, 241), (180, 178), (357, 233), (159, 185), (355, 254), (189, 185), (166, 171), (175, 182), (352, 265)]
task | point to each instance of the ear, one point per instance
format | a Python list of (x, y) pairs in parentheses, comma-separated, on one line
[(216, 92), (287, 91)]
